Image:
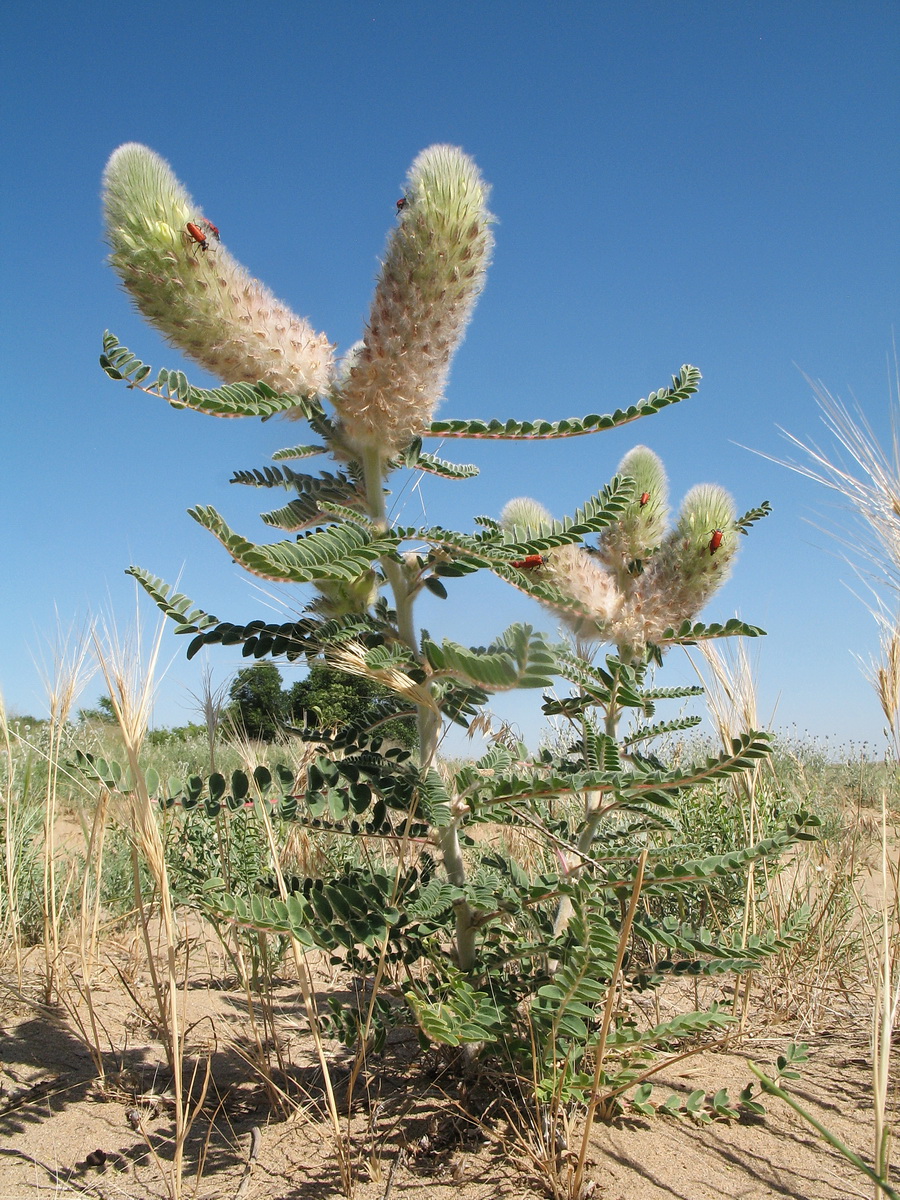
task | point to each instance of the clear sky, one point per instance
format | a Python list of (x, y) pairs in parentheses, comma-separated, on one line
[(674, 180)]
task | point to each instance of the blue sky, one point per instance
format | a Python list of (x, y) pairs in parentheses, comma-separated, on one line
[(702, 182)]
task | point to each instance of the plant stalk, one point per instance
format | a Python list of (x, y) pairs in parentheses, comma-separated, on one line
[(427, 721), (600, 1048), (771, 1088)]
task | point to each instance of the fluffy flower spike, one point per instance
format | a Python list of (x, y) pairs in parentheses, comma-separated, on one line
[(690, 566), (665, 580), (202, 300), (642, 525), (432, 275), (569, 568)]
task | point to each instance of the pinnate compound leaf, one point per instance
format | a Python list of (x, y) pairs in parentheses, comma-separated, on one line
[(752, 516), (340, 552), (463, 1016), (684, 1025), (230, 400), (802, 827), (433, 799), (291, 452), (447, 470), (684, 384), (331, 485), (746, 749), (596, 514), (599, 683), (173, 604), (688, 632), (673, 693), (520, 658), (646, 732)]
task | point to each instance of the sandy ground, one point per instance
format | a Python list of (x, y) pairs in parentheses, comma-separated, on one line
[(415, 1127)]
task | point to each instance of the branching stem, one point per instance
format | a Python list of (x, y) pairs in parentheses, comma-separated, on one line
[(427, 720)]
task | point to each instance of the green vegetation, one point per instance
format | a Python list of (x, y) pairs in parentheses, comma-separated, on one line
[(325, 700), (524, 915)]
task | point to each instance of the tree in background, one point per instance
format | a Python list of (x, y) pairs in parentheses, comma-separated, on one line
[(258, 703), (333, 700), (103, 713), (327, 699)]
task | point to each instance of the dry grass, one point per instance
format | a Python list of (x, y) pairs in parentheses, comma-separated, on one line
[(866, 477), (173, 949), (72, 668)]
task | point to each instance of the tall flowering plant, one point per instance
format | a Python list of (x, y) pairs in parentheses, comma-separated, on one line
[(460, 937)]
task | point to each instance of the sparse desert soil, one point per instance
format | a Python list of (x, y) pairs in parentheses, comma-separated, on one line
[(415, 1128)]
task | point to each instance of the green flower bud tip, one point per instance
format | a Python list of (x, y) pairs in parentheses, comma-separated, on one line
[(524, 518), (433, 272), (643, 523), (193, 291), (706, 531)]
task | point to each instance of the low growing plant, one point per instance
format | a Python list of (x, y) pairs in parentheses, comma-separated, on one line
[(500, 905)]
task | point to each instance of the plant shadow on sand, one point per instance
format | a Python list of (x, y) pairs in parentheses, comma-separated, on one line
[(416, 1125)]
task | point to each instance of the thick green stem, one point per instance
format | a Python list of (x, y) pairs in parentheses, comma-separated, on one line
[(427, 720), (594, 813)]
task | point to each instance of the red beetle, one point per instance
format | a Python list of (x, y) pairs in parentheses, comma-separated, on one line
[(210, 228), (715, 541), (645, 499), (529, 563), (197, 235), (401, 204)]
